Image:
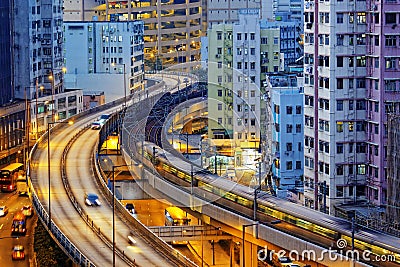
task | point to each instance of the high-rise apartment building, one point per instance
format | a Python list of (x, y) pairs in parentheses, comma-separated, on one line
[(234, 85), (106, 52), (172, 28), (351, 84), (287, 132), (5, 52), (31, 80)]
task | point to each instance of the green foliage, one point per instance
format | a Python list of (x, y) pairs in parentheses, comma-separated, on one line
[(47, 251)]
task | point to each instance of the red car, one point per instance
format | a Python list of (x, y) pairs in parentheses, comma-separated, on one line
[(18, 253)]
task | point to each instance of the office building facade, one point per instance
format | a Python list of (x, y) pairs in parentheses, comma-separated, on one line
[(100, 54), (354, 66), (172, 29)]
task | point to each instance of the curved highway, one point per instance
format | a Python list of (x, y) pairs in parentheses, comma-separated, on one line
[(81, 179)]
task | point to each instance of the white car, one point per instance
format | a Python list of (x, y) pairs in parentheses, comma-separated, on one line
[(3, 210), (91, 199)]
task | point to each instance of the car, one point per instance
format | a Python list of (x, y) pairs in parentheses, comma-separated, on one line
[(91, 199), (18, 253), (27, 210), (130, 207), (3, 210), (96, 125)]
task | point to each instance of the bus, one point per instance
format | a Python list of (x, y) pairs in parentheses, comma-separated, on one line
[(174, 216), (9, 176)]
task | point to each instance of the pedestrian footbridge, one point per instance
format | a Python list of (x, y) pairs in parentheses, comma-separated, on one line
[(189, 233)]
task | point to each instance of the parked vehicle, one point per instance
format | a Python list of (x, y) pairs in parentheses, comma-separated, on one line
[(27, 210)]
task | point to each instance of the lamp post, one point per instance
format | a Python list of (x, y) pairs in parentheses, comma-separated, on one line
[(244, 226), (113, 207), (48, 163), (36, 107), (123, 64)]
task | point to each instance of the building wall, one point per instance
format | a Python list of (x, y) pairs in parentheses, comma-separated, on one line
[(335, 103), (287, 136), (383, 87), (38, 50), (234, 77), (393, 164), (289, 45), (6, 86), (93, 99), (106, 49)]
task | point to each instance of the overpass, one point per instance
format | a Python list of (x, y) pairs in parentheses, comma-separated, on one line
[(85, 251), (58, 183)]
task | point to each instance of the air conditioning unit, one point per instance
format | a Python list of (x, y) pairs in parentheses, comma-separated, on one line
[(217, 55)]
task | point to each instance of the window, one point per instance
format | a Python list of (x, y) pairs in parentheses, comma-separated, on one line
[(289, 146), (390, 85), (252, 122), (264, 40), (361, 39), (390, 40), (339, 83), (339, 126), (376, 40), (339, 191), (390, 63), (239, 51), (298, 128), (340, 39), (339, 18), (219, 93), (361, 61), (220, 120), (361, 18), (361, 168), (351, 17), (339, 169), (339, 62), (289, 165), (360, 105), (390, 18), (339, 105), (252, 51), (289, 109), (239, 65), (289, 128), (252, 36), (298, 109), (219, 65), (219, 35), (298, 164), (339, 148), (238, 36), (219, 106)]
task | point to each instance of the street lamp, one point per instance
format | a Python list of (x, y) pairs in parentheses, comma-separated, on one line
[(37, 109), (123, 64), (243, 239), (52, 79), (48, 162), (113, 206)]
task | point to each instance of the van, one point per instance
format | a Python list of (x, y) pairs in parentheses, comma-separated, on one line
[(22, 186)]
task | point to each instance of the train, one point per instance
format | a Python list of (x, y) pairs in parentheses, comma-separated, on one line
[(296, 220)]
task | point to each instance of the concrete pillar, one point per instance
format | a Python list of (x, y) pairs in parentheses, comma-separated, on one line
[(250, 257)]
